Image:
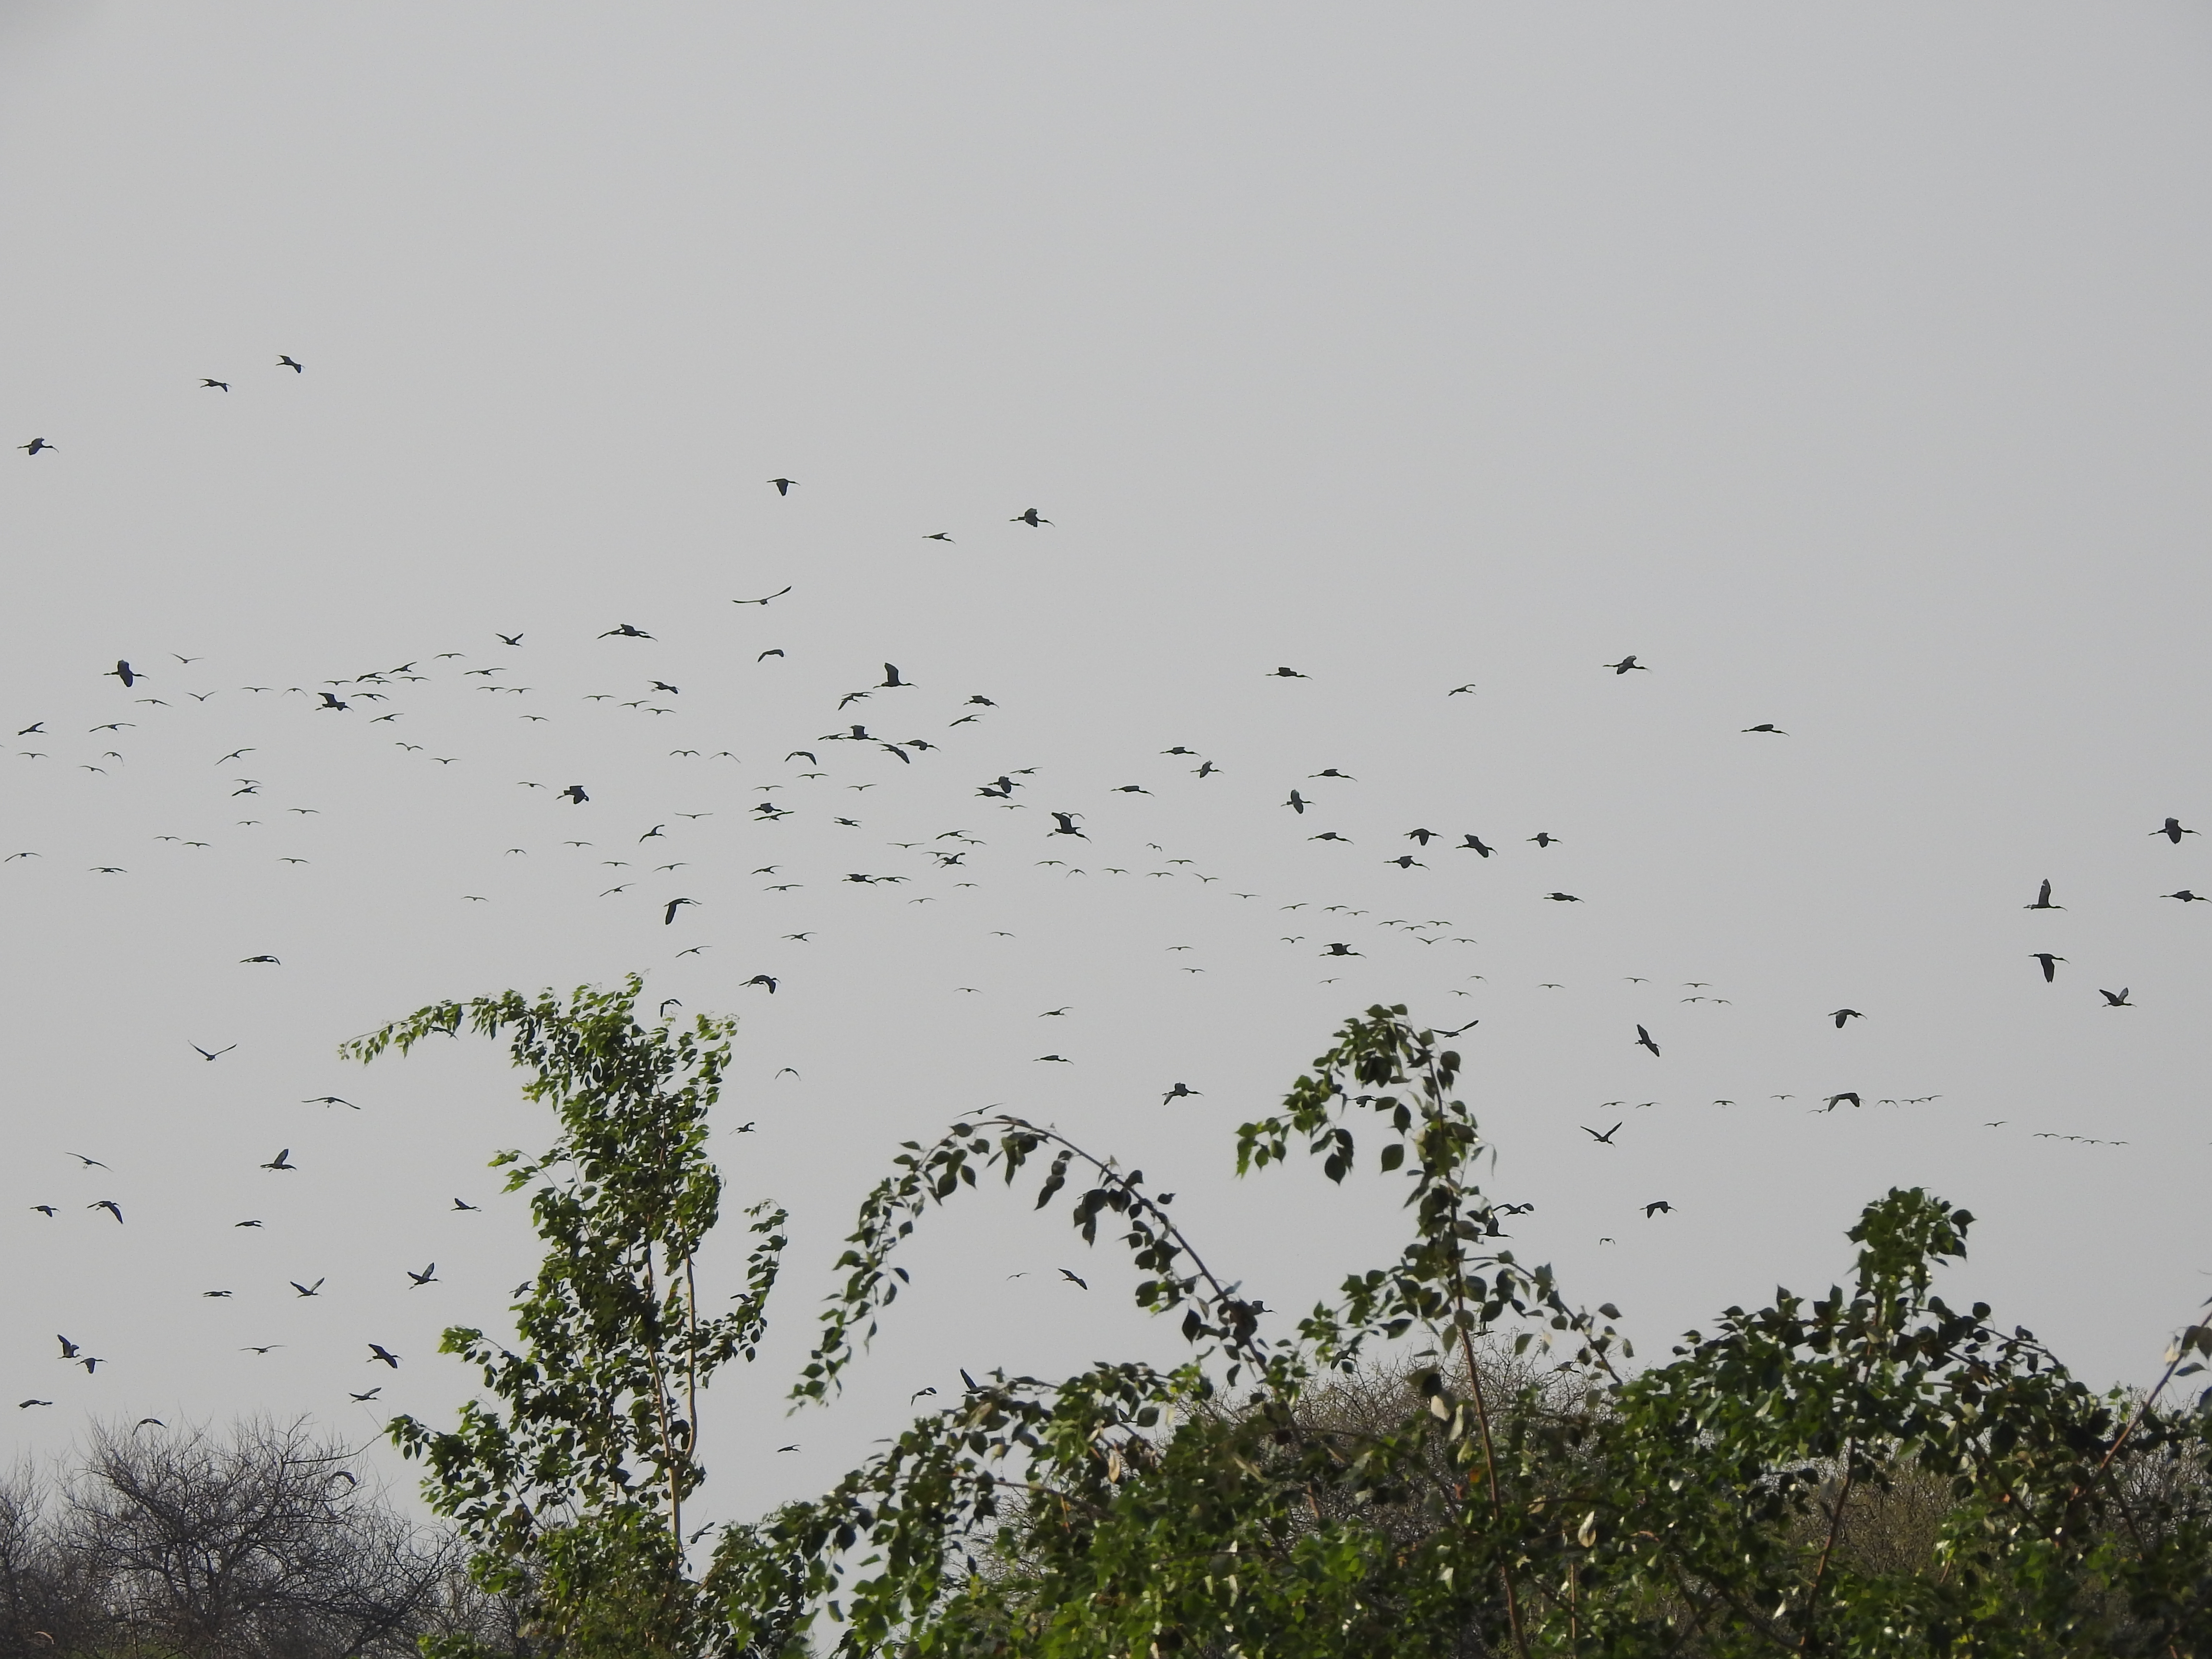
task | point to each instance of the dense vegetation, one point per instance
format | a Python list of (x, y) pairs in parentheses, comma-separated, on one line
[(1448, 1457)]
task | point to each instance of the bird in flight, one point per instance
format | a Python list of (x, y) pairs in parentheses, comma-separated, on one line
[(1562, 898), (674, 905), (219, 385), (262, 958), (2043, 900), (286, 362), (123, 671), (35, 446), (1030, 518), (1842, 1014), (459, 1205), (575, 795), (204, 1054), (110, 1205), (2115, 999), (2173, 831), (1289, 674), (778, 594), (2050, 964), (1835, 1101), (428, 1276), (376, 1351), (1767, 725), (2184, 896), (363, 1399), (282, 1161), (506, 639), (1625, 664), (1657, 1207), (625, 631), (1181, 1091), (783, 485), (306, 1290), (1643, 1040), (1076, 1280), (88, 1163), (1605, 1139), (329, 1100)]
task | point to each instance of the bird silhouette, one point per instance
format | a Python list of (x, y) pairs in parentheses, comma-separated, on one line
[(783, 485), (1657, 1207), (1625, 664), (1472, 843), (459, 1205), (2115, 999), (2043, 900), (1075, 1279), (1842, 1014), (1643, 1040), (282, 1161), (2172, 831), (575, 793), (204, 1054), (306, 1290), (624, 631), (123, 671), (288, 362), (2050, 964), (35, 446), (1181, 1091), (1290, 674), (428, 1276), (1030, 518), (108, 1205), (778, 594), (1605, 1139), (219, 385), (2184, 896), (376, 1351), (1767, 725), (668, 917)]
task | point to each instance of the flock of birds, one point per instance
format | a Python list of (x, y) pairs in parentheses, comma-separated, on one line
[(805, 792)]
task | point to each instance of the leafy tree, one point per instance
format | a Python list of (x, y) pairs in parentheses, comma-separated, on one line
[(570, 1482), (1526, 1494)]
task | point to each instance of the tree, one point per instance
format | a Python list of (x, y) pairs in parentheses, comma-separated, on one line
[(570, 1484), (1528, 1493)]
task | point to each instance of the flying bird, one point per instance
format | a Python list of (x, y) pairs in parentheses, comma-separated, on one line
[(1657, 1207), (2173, 831), (306, 1290), (219, 385), (778, 594), (624, 631), (1643, 1040), (1625, 664), (1181, 1091), (376, 1351), (575, 793), (1030, 518), (1080, 1282), (675, 904), (2184, 896), (35, 446), (783, 485), (288, 362), (2115, 999), (1290, 674), (1605, 1139), (2043, 900), (123, 671), (1767, 725), (428, 1276), (1842, 1014), (2050, 964), (204, 1054), (108, 1205)]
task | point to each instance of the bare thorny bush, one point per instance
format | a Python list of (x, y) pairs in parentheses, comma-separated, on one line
[(260, 1542)]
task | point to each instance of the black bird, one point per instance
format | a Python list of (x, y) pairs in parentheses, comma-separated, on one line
[(45, 1210), (778, 594), (110, 1205), (1562, 898), (34, 446), (1457, 689), (126, 674), (1406, 861), (428, 1276), (2050, 964), (306, 1290), (768, 979), (937, 536), (1474, 844), (783, 485), (69, 1349), (1424, 836), (2115, 999), (330, 701), (674, 905), (1643, 1040), (624, 631), (331, 1100), (1066, 826), (575, 793), (2173, 831), (286, 362), (88, 1163), (1605, 1139), (1296, 803), (1657, 1207), (1842, 1014), (1181, 1091), (892, 680), (1835, 1101), (2184, 896), (272, 960), (363, 1399), (1767, 725), (1290, 674), (204, 1054), (1075, 1279), (1342, 951), (673, 690), (506, 639), (25, 1404), (219, 385), (458, 1204), (2043, 900), (1625, 664), (1543, 838), (972, 1386), (376, 1351), (1029, 517)]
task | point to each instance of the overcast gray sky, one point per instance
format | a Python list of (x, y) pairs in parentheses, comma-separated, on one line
[(1847, 365)]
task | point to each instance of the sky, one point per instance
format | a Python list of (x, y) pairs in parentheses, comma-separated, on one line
[(1846, 367)]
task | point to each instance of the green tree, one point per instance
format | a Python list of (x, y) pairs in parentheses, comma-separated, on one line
[(1529, 1493), (570, 1482)]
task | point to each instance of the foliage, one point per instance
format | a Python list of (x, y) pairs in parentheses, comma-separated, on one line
[(1870, 1471), (571, 1483)]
